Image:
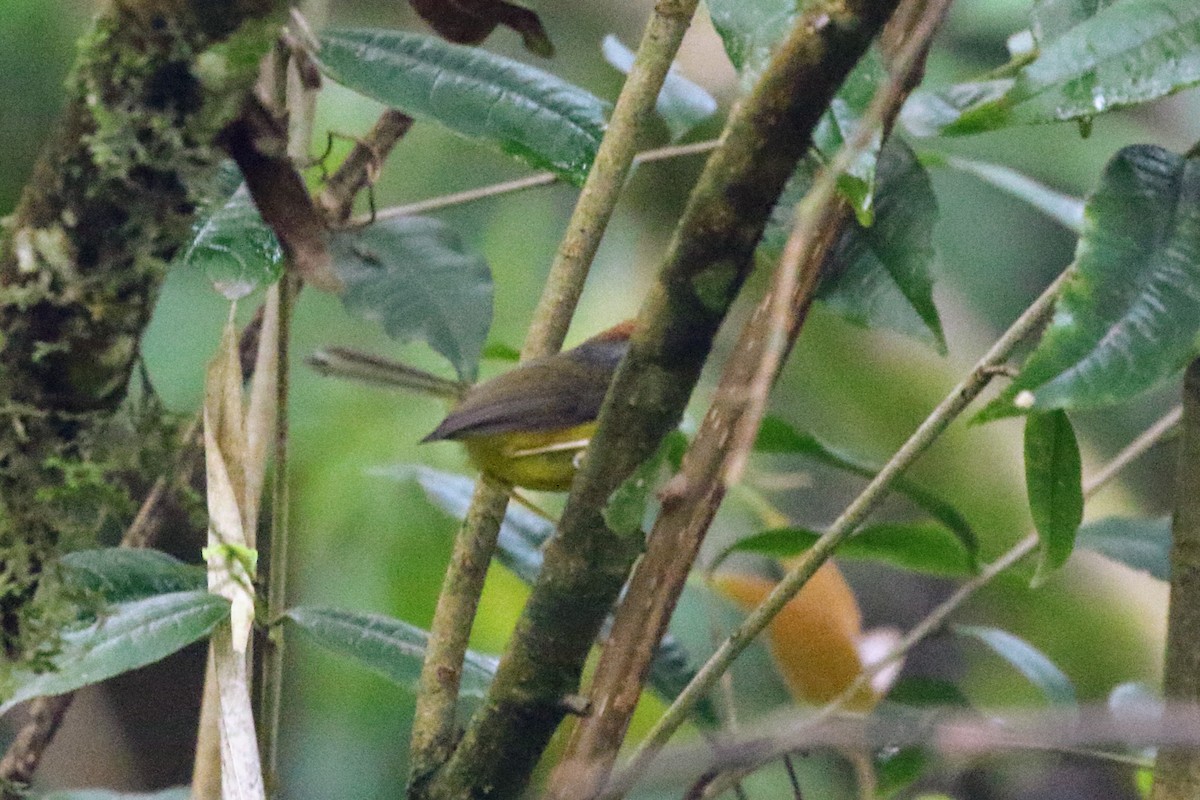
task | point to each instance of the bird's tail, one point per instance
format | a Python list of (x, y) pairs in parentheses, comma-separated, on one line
[(341, 362)]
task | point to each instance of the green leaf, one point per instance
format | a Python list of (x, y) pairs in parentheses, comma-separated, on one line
[(174, 793), (1143, 544), (682, 104), (499, 351), (235, 248), (121, 574), (1128, 319), (925, 692), (388, 647), (1026, 659), (777, 436), (628, 505), (840, 124), (524, 111), (896, 253), (1128, 53), (1050, 19), (414, 276), (1053, 481), (929, 113), (129, 635), (919, 547), (1062, 208), (878, 276), (897, 770)]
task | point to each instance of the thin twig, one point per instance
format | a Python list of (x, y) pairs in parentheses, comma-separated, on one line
[(362, 165), (528, 182), (948, 732), (854, 514)]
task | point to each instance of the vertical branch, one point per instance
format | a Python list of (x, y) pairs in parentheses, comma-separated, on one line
[(433, 723), (273, 649), (1177, 771), (450, 632)]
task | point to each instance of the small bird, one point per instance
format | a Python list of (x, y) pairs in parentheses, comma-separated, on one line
[(526, 427)]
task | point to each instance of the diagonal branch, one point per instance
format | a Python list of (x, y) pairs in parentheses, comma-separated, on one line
[(938, 420), (709, 258)]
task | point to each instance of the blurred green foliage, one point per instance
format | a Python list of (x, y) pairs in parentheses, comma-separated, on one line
[(372, 544)]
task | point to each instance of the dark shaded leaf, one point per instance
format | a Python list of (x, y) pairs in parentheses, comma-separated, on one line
[(925, 692), (487, 98), (1053, 481), (920, 547), (1143, 544), (777, 436), (840, 124), (388, 647), (129, 635), (1128, 318), (1026, 659), (414, 276), (682, 104)]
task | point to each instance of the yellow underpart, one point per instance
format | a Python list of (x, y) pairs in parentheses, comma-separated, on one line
[(530, 460)]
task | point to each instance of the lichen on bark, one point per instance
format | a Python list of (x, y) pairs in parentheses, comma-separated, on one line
[(109, 203)]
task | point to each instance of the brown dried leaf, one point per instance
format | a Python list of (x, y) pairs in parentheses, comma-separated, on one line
[(471, 21), (258, 143)]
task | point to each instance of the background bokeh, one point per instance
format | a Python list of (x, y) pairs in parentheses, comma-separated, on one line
[(368, 542)]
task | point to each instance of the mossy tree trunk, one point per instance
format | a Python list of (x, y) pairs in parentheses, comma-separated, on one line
[(109, 204)]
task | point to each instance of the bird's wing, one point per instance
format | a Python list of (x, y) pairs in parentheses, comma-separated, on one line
[(538, 396)]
